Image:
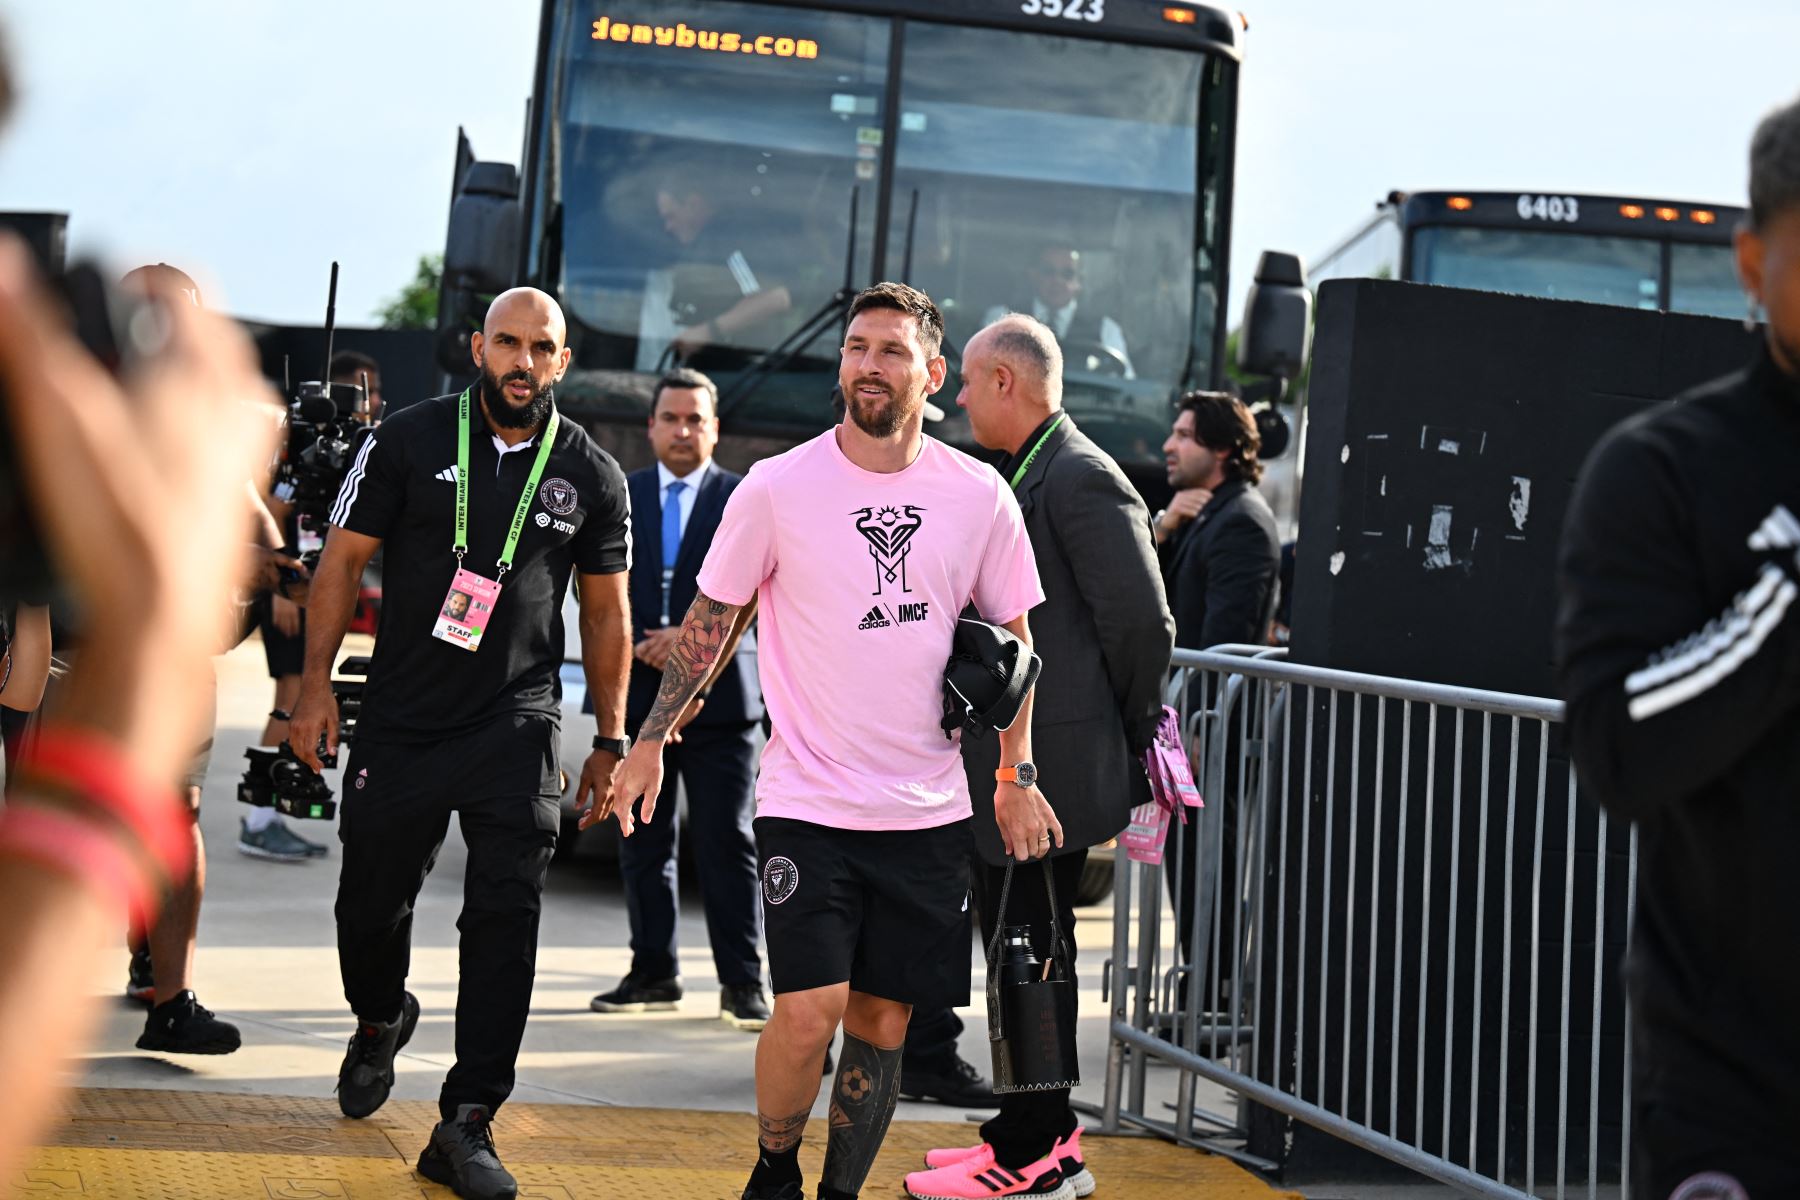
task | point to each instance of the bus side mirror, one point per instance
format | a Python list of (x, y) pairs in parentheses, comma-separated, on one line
[(481, 256), (1277, 318)]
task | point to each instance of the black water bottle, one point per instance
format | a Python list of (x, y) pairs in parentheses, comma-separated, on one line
[(1019, 962)]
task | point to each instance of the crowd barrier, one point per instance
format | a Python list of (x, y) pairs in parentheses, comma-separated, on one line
[(1406, 936)]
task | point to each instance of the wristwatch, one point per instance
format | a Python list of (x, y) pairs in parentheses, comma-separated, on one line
[(620, 746), (1024, 774)]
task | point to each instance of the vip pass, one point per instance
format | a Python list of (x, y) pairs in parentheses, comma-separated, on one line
[(470, 602)]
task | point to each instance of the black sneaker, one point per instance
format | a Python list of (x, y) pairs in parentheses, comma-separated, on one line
[(637, 996), (743, 1006), (956, 1083), (777, 1191), (140, 982), (461, 1156), (368, 1071), (182, 1026)]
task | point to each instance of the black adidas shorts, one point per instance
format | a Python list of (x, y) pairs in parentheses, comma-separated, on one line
[(885, 910)]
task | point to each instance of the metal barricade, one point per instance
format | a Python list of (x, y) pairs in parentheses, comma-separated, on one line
[(1405, 934)]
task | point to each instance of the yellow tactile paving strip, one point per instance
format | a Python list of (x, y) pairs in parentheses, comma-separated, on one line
[(162, 1145)]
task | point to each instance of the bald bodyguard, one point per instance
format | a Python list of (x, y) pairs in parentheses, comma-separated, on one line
[(487, 502)]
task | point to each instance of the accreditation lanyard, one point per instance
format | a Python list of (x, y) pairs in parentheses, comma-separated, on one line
[(547, 440), (469, 605), (1030, 458)]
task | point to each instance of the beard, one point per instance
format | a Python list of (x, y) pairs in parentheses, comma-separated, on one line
[(877, 417), (500, 408)]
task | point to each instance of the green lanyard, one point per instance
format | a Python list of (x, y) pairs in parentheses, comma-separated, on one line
[(1026, 465), (547, 440)]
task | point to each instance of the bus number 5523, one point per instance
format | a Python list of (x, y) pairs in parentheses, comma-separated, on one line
[(1070, 10)]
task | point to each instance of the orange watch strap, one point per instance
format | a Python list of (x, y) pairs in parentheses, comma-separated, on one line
[(1007, 775)]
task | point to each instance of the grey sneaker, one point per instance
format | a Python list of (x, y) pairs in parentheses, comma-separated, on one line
[(368, 1071), (275, 842), (313, 849), (461, 1156)]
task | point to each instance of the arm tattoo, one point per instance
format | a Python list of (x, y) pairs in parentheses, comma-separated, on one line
[(781, 1134), (702, 638)]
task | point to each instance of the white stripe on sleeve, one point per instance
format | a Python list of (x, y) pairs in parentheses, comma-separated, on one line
[(1750, 625), (740, 271), (346, 499)]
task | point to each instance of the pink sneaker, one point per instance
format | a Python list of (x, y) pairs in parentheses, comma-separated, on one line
[(959, 1154), (974, 1179), (1074, 1167)]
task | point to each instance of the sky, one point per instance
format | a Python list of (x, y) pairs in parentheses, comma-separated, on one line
[(262, 140)]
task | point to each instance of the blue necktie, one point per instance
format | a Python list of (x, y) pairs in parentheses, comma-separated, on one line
[(671, 529)]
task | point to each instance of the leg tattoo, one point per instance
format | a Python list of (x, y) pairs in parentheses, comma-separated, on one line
[(863, 1097), (781, 1134)]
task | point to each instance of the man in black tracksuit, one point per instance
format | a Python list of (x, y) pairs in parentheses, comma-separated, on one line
[(1678, 646), (466, 493)]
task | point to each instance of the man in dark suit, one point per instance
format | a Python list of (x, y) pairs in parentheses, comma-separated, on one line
[(1104, 634), (1217, 538), (675, 507), (1221, 561)]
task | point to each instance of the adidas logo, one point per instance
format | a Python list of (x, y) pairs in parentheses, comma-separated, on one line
[(1780, 530), (875, 620), (448, 475)]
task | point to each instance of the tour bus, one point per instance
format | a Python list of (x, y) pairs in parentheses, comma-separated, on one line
[(707, 182), (1628, 250)]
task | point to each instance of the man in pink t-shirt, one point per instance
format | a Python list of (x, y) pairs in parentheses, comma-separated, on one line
[(863, 546)]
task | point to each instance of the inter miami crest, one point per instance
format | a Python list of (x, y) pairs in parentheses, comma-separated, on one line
[(559, 496), (781, 879), (889, 532)]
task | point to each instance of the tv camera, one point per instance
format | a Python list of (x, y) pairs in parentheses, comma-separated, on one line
[(327, 424), (278, 779)]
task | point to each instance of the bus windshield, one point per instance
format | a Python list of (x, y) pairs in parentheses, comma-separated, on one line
[(702, 162), (1571, 266)]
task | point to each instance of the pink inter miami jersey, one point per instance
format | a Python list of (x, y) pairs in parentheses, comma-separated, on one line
[(861, 578)]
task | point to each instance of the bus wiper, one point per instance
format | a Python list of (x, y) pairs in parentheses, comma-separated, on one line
[(912, 223), (836, 308)]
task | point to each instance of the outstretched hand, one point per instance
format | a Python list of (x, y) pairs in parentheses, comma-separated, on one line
[(640, 775)]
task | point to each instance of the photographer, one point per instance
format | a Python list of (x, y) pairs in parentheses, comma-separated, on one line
[(140, 518), (493, 495)]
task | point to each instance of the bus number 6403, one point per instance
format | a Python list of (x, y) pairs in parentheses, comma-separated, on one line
[(1069, 10), (1548, 208)]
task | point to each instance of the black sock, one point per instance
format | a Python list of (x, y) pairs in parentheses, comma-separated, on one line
[(776, 1167)]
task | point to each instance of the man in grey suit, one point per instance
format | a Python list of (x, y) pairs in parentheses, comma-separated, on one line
[(1104, 633)]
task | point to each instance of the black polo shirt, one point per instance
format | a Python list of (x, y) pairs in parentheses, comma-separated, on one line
[(402, 489)]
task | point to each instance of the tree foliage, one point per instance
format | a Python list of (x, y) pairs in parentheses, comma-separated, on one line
[(415, 306)]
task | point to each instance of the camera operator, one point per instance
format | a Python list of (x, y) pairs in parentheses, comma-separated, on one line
[(461, 715), (281, 624), (141, 518)]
